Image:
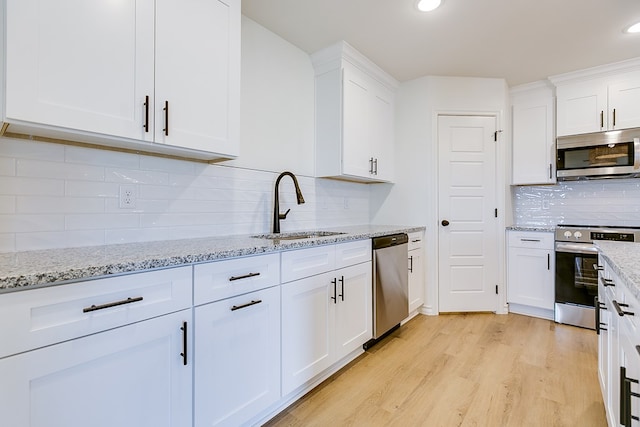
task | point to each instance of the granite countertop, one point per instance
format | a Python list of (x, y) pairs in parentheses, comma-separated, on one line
[(624, 258), (545, 228), (23, 270)]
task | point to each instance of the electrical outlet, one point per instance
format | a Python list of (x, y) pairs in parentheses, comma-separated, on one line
[(127, 196)]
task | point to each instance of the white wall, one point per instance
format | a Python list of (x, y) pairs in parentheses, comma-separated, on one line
[(54, 195), (413, 199)]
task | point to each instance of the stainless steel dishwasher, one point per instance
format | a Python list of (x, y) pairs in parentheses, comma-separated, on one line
[(390, 284)]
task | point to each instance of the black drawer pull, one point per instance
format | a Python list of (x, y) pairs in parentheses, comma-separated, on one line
[(529, 240), (111, 304), (249, 304), (246, 276), (607, 282), (620, 311), (184, 343), (638, 349)]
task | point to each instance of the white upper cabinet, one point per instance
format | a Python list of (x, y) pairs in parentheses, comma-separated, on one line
[(599, 99), (532, 108), (105, 72), (354, 116)]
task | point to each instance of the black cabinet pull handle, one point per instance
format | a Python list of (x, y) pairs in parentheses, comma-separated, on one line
[(548, 261), (614, 117), (111, 304), (334, 282), (638, 349), (550, 171), (166, 118), (529, 240), (249, 304), (601, 119), (416, 240), (184, 343), (246, 276), (146, 113), (371, 165), (607, 282), (411, 264), (375, 166), (597, 314), (341, 288), (618, 306)]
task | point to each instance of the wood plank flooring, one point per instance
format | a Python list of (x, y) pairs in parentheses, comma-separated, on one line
[(463, 370)]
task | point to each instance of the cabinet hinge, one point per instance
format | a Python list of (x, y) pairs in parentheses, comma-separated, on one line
[(496, 289), (495, 135)]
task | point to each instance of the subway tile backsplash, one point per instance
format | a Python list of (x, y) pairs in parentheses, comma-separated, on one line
[(54, 196), (614, 202)]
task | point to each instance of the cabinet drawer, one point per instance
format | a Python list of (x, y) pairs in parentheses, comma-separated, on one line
[(352, 253), (39, 317), (307, 262), (415, 240), (223, 279), (531, 239)]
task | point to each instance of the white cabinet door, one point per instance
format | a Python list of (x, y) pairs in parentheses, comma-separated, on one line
[(198, 74), (133, 376), (624, 108), (533, 137), (237, 358), (353, 308), (416, 279), (307, 329), (582, 108), (531, 278), (357, 121), (382, 128), (80, 65)]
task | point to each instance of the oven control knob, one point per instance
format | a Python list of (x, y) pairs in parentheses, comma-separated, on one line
[(577, 234), (567, 234)]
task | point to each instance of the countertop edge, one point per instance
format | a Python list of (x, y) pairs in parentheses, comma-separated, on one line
[(624, 258), (22, 271)]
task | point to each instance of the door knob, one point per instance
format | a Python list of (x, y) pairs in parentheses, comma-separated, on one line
[(444, 222)]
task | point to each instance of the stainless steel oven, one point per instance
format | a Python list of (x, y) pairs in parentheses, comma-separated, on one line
[(576, 278)]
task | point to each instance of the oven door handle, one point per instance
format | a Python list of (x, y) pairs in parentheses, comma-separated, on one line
[(579, 248)]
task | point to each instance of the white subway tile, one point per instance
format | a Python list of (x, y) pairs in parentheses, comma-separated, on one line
[(31, 186), (162, 164), (132, 176), (52, 240), (128, 235), (7, 204), (34, 204), (101, 221), (55, 170), (104, 158), (26, 149), (8, 242), (21, 223), (7, 166), (91, 189)]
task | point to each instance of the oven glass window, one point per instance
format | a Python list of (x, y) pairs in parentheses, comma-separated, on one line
[(576, 279), (596, 156)]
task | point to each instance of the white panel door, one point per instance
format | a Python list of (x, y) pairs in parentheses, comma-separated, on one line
[(133, 376), (308, 319), (77, 64), (468, 246), (354, 322), (356, 123), (623, 102), (197, 74), (237, 358)]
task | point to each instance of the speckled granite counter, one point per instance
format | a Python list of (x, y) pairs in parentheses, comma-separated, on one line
[(549, 229), (22, 270), (624, 258)]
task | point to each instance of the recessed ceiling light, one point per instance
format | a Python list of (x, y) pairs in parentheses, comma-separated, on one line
[(635, 28), (428, 5)]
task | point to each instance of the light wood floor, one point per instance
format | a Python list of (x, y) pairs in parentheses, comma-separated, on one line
[(463, 370)]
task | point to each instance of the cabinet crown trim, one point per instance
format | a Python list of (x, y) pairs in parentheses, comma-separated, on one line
[(596, 72)]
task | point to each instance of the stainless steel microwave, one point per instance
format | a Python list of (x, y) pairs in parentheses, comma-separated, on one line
[(611, 154)]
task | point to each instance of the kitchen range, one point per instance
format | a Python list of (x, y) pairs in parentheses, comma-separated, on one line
[(576, 275)]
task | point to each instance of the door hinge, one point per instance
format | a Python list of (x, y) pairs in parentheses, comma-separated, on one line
[(496, 213), (495, 135), (496, 289)]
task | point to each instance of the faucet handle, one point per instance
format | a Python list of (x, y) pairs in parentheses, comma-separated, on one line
[(284, 215)]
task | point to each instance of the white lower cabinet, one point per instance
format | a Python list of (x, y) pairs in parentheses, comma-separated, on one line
[(416, 272), (531, 273), (237, 358), (132, 376), (324, 318)]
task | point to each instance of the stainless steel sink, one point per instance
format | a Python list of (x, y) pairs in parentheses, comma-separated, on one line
[(298, 235)]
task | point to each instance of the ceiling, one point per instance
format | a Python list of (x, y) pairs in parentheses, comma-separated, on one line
[(519, 40)]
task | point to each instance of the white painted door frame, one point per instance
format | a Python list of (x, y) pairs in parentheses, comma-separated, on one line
[(432, 218)]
